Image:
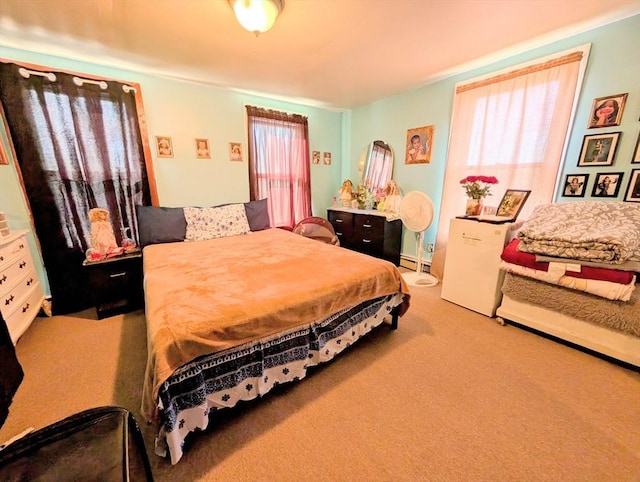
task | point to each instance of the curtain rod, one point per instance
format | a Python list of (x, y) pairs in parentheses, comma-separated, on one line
[(79, 81)]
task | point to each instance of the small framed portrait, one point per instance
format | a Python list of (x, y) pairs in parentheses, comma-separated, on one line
[(599, 149), (315, 157), (327, 159), (512, 203), (575, 185), (202, 149), (633, 189), (607, 184), (235, 151), (164, 146), (636, 152), (607, 111), (418, 147)]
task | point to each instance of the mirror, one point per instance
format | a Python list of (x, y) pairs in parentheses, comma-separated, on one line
[(376, 166)]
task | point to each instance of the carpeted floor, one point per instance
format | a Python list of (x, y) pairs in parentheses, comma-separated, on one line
[(450, 396)]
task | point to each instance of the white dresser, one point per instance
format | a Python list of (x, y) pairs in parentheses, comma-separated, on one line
[(21, 295), (472, 275)]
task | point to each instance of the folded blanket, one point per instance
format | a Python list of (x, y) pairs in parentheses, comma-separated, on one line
[(607, 232), (571, 268), (604, 289)]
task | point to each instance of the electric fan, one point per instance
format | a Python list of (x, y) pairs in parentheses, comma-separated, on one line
[(416, 213)]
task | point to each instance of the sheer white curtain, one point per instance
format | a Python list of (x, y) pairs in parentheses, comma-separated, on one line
[(512, 126)]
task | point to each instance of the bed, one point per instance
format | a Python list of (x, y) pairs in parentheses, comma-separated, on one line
[(232, 316), (572, 273)]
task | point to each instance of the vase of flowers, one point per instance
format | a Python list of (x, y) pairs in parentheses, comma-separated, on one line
[(364, 197), (476, 189)]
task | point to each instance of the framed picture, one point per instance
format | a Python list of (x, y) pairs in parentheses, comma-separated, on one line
[(512, 203), (607, 184), (599, 149), (607, 111), (164, 146), (575, 185), (418, 147), (636, 152), (633, 189), (327, 158), (235, 151), (315, 158), (202, 149)]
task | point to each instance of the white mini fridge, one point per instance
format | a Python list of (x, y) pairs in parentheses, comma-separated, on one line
[(472, 276)]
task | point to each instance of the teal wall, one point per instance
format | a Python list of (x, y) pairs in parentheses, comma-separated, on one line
[(613, 68), (186, 110)]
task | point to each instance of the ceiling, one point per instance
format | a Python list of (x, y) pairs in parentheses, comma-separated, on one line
[(337, 54)]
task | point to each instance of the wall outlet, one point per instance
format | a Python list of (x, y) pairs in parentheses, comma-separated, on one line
[(429, 247)]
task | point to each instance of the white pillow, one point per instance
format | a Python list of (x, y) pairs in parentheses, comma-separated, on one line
[(218, 222)]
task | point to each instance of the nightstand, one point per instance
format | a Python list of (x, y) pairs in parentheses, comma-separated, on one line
[(116, 284)]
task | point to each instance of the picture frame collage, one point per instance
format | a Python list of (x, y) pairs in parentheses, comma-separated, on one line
[(202, 148), (321, 158), (599, 150)]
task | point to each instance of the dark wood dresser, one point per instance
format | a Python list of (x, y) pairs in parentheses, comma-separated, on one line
[(368, 232)]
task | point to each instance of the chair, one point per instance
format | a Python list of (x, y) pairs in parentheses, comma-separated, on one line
[(317, 228)]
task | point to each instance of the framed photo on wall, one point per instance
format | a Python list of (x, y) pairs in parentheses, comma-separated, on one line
[(607, 111), (607, 184), (575, 185), (327, 159), (636, 152), (315, 158), (418, 147), (202, 149), (235, 151), (599, 149), (512, 203), (164, 146), (633, 189)]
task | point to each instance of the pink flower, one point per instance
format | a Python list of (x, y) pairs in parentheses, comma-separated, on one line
[(477, 187)]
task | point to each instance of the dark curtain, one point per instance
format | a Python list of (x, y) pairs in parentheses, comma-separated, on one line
[(279, 164), (78, 146)]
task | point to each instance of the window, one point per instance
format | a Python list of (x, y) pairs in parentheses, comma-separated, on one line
[(78, 146), (512, 125), (279, 164)]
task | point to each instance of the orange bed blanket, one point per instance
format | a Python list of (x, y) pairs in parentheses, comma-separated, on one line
[(207, 296)]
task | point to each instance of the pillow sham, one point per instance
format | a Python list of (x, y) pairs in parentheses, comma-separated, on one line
[(160, 225), (216, 222), (257, 214)]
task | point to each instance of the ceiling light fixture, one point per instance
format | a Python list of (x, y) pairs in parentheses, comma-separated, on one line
[(257, 16)]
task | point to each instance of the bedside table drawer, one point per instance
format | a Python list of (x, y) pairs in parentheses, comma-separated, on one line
[(116, 284)]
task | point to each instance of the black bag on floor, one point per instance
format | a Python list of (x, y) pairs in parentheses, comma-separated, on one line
[(102, 443)]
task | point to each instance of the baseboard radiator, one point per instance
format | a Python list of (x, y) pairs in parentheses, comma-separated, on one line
[(411, 262)]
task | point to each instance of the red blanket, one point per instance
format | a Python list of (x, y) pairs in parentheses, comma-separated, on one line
[(528, 260)]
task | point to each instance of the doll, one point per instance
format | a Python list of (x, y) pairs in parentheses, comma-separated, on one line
[(103, 240), (346, 193)]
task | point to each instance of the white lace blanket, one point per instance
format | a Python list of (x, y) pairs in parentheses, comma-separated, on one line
[(607, 232)]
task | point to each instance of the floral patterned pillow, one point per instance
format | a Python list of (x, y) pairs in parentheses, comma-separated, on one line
[(218, 222)]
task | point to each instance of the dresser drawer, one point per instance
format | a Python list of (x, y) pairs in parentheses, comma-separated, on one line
[(342, 223), (17, 292), (369, 234), (13, 250), (23, 311), (14, 272)]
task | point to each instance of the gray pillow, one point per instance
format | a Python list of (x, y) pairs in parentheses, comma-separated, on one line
[(257, 214), (160, 225)]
